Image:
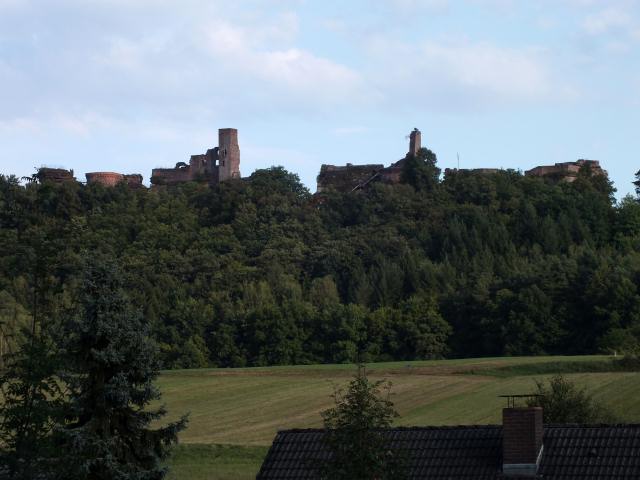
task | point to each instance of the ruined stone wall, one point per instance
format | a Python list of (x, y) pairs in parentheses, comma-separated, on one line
[(134, 180), (198, 164), (108, 179), (345, 178), (479, 171), (57, 175), (217, 165), (566, 171), (391, 174), (111, 179), (170, 176)]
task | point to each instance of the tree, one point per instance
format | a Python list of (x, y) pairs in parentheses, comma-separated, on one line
[(563, 402), (421, 170), (355, 433), (421, 330), (31, 400), (111, 370), (30, 408), (637, 183)]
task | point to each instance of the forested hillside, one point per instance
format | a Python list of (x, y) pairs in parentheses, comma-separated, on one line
[(258, 271)]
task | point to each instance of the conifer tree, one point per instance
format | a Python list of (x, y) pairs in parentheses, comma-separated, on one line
[(112, 367), (31, 395), (30, 408)]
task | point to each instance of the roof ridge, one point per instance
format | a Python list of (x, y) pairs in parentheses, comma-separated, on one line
[(402, 428), (592, 425), (477, 427)]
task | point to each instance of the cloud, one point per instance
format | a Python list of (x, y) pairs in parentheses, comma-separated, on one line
[(82, 124), (11, 4), (184, 63), (19, 125), (606, 20), (580, 3), (294, 71), (613, 30), (463, 75), (414, 5), (498, 71), (335, 25)]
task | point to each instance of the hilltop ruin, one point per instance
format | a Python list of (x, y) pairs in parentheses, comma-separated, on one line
[(353, 177), (111, 179), (222, 163), (566, 171), (217, 165)]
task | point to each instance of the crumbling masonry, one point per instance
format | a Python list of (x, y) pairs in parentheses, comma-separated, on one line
[(566, 171), (217, 165), (354, 177), (222, 163)]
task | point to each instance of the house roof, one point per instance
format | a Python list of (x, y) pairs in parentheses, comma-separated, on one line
[(570, 452)]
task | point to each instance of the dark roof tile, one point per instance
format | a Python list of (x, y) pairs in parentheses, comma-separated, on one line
[(571, 452)]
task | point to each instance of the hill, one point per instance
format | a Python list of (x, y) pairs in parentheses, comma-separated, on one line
[(259, 272)]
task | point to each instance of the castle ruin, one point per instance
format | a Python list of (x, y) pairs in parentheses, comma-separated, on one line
[(354, 177), (222, 163), (56, 175), (217, 165), (415, 142), (566, 171), (111, 179)]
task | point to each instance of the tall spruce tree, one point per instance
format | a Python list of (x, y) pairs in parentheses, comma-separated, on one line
[(30, 408), (31, 395), (112, 367)]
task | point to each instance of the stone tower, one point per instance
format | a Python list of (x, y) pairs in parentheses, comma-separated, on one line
[(228, 154), (415, 142)]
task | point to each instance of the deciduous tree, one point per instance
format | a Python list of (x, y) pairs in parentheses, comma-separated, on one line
[(355, 433)]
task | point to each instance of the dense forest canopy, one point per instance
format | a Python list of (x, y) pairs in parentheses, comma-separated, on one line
[(258, 271)]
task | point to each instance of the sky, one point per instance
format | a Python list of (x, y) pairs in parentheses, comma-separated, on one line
[(130, 85)]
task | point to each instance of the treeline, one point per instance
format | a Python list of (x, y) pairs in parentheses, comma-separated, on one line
[(259, 271)]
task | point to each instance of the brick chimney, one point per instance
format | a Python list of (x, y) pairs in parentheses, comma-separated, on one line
[(521, 441)]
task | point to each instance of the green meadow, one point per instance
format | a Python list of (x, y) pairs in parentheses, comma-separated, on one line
[(235, 413)]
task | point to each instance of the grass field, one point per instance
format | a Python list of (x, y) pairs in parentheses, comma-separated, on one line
[(235, 413)]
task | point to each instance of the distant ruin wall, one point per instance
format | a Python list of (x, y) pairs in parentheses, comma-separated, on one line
[(392, 174), (134, 180), (478, 171), (352, 177), (566, 171), (108, 179), (111, 179), (345, 178), (170, 176), (56, 175), (216, 165)]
